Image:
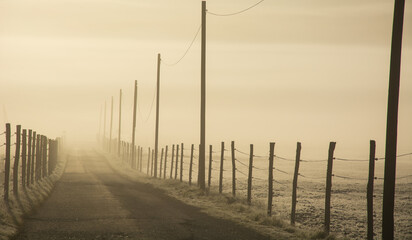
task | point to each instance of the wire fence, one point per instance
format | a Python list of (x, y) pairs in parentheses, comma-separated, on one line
[(312, 175)]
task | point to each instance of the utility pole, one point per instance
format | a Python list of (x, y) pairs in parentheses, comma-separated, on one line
[(134, 120), (392, 122), (202, 148), (111, 126), (120, 123), (157, 115)]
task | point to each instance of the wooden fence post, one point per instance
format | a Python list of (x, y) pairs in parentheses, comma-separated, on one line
[(152, 164), (181, 162), (222, 157), (45, 159), (191, 164), (137, 157), (329, 186), (7, 163), (148, 161), (270, 178), (165, 168), (177, 160), (369, 194), (24, 158), (295, 184), (171, 163), (51, 157), (209, 179), (249, 180), (38, 158), (28, 157), (33, 157), (141, 159), (16, 161), (233, 169), (161, 163)]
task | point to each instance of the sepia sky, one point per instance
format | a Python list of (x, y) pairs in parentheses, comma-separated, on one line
[(286, 71)]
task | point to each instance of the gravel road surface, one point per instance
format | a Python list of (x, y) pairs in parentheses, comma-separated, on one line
[(91, 201)]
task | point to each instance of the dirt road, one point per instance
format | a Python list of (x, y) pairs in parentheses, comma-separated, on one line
[(91, 201)]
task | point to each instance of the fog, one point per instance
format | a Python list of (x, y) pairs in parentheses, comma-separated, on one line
[(284, 71)]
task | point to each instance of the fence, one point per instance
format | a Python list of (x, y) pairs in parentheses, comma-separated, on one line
[(251, 173), (35, 157)]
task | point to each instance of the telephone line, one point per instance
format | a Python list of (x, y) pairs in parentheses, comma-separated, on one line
[(187, 50), (235, 13)]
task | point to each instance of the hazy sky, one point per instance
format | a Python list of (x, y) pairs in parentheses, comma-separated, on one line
[(288, 70)]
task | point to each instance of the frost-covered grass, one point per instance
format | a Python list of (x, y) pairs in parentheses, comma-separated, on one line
[(28, 199), (223, 205)]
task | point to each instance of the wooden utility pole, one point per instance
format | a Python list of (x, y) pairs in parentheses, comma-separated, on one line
[(202, 155), (134, 118), (120, 123), (111, 126), (392, 122), (157, 112)]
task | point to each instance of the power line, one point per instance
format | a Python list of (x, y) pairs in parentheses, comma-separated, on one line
[(235, 13), (187, 50), (150, 111)]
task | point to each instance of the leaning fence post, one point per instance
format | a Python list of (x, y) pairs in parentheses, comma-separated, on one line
[(222, 157), (209, 179), (369, 194), (329, 186), (250, 177), (177, 160), (181, 163), (233, 169), (295, 184), (28, 158), (191, 164), (270, 178), (7, 163), (24, 158), (171, 163), (16, 161), (164, 171)]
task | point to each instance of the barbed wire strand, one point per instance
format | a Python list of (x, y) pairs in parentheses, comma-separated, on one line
[(187, 50), (351, 160), (235, 13), (241, 163)]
